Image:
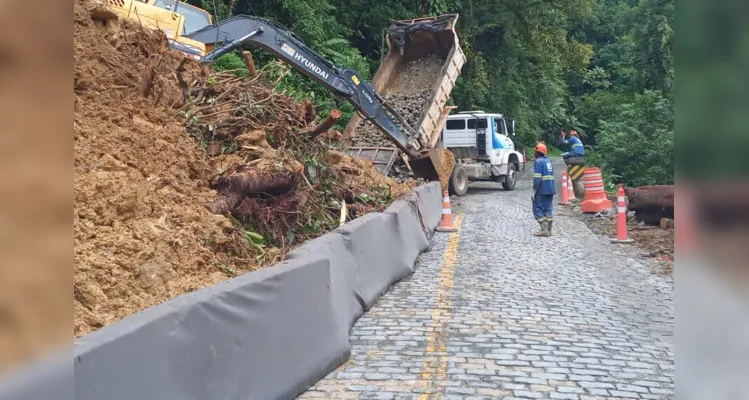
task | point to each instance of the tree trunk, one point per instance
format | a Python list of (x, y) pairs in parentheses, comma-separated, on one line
[(651, 203), (334, 116), (308, 112), (230, 8), (249, 62), (237, 186)]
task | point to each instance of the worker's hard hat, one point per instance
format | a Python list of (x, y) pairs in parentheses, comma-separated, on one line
[(573, 133), (541, 148)]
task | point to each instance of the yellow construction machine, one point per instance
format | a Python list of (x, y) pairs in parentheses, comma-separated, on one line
[(175, 18)]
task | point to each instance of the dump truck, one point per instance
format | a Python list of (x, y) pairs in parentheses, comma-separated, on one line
[(408, 42), (484, 149), (207, 41)]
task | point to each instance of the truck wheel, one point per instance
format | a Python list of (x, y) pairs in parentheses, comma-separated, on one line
[(512, 177), (458, 181)]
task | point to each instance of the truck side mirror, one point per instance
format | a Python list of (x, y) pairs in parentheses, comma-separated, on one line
[(512, 124)]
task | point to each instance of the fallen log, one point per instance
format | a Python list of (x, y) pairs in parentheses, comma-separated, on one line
[(651, 203), (324, 126), (234, 188)]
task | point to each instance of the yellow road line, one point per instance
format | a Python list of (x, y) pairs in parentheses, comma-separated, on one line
[(434, 369)]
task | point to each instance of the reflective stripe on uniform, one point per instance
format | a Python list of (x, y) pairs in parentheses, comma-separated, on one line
[(577, 145), (536, 175), (547, 178)]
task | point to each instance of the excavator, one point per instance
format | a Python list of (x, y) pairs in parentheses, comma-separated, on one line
[(190, 30)]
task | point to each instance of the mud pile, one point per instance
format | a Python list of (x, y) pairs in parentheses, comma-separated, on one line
[(160, 146), (141, 234)]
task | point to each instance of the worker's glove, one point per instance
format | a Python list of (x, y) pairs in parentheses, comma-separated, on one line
[(533, 196)]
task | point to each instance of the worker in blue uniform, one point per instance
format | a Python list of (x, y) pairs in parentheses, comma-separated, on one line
[(543, 190), (577, 150)]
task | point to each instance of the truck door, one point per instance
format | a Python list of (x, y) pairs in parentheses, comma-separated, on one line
[(504, 137)]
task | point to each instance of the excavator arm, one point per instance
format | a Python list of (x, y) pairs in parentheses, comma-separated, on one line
[(343, 82)]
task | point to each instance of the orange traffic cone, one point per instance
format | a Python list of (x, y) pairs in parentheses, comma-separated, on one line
[(570, 189), (595, 196), (565, 189), (525, 159), (447, 216), (621, 218)]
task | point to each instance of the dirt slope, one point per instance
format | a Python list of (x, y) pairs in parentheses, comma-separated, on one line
[(141, 234), (157, 171)]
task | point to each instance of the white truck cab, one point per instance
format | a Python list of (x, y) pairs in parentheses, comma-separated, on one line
[(483, 149)]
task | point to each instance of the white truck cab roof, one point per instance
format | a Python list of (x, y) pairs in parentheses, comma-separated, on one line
[(474, 114)]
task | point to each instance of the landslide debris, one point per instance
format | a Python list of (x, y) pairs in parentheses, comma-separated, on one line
[(185, 176)]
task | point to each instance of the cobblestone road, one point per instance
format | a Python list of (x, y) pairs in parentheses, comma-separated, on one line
[(493, 312)]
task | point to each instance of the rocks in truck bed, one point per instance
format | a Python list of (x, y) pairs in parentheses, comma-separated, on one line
[(409, 107), (409, 96)]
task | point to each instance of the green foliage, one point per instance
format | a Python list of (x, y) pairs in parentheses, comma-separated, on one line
[(625, 103), (654, 40), (552, 151), (231, 62), (637, 144)]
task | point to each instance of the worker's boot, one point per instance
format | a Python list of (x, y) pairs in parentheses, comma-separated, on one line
[(540, 229), (550, 225), (544, 231)]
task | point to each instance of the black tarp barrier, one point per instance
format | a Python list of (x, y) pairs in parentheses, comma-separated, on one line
[(268, 334)]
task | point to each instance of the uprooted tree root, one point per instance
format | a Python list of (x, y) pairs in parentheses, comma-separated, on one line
[(248, 183), (275, 171)]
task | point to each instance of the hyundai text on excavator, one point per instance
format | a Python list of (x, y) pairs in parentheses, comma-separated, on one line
[(190, 30)]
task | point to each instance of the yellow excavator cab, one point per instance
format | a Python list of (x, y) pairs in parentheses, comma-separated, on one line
[(194, 18), (172, 17)]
